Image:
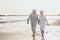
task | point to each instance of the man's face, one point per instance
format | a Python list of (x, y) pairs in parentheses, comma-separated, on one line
[(34, 11)]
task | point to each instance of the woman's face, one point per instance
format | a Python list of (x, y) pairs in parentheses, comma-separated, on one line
[(41, 12)]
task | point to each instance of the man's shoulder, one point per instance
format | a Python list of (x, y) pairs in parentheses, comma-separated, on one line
[(36, 14)]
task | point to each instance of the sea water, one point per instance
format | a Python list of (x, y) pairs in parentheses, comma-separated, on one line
[(51, 32)]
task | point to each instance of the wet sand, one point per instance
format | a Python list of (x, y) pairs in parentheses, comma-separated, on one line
[(15, 31), (51, 33), (13, 36)]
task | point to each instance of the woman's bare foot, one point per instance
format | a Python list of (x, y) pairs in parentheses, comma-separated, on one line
[(33, 35), (42, 38)]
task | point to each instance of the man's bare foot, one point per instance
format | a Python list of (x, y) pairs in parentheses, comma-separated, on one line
[(42, 35), (33, 38)]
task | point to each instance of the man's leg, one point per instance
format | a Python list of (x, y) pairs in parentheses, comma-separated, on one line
[(33, 30)]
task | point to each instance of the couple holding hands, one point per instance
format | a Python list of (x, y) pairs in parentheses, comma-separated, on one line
[(33, 17)]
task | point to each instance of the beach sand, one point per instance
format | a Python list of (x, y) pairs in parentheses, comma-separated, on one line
[(51, 33), (13, 36), (15, 31)]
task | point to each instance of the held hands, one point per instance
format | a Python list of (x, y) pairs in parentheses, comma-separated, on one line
[(47, 24), (38, 22)]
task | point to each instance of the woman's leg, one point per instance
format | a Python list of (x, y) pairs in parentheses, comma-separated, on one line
[(42, 32)]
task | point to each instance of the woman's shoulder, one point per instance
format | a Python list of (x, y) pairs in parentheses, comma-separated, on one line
[(43, 16)]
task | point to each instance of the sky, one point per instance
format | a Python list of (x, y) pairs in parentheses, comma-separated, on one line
[(25, 7)]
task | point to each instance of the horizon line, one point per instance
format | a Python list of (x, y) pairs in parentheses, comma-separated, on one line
[(28, 15)]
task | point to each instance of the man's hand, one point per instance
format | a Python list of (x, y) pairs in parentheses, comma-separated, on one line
[(27, 22)]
